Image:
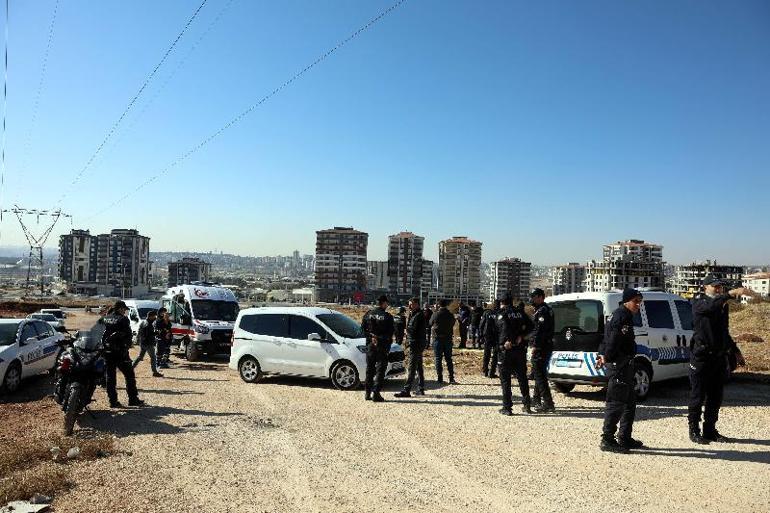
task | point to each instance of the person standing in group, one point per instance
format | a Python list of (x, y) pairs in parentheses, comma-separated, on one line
[(542, 348), (145, 337), (476, 314), (709, 349), (427, 313), (399, 325), (415, 345), (616, 355), (464, 319), (512, 325), (489, 337), (377, 326), (442, 330), (116, 341), (164, 337)]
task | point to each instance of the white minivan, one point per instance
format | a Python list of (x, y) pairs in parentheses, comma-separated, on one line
[(303, 341), (663, 331), (138, 310)]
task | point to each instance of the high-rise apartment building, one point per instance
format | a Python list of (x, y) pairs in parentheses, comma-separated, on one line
[(340, 266), (568, 278), (510, 276), (405, 264), (188, 270), (626, 264), (688, 279), (460, 269), (377, 275), (113, 264), (427, 282)]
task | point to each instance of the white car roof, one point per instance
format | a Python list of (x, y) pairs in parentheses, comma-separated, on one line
[(294, 310), (143, 303), (609, 299), (213, 293), (10, 321)]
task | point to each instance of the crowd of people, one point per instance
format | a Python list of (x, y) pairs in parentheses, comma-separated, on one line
[(505, 331)]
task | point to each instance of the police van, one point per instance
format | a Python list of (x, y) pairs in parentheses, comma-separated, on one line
[(663, 331), (202, 318)]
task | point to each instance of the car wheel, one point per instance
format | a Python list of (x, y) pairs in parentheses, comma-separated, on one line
[(344, 376), (190, 351), (249, 369), (12, 378), (564, 388), (642, 380)]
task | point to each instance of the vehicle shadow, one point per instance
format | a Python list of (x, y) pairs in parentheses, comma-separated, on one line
[(168, 392), (181, 378), (147, 420), (31, 389), (727, 455)]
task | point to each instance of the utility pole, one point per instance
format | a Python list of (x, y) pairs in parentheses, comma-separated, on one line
[(36, 242)]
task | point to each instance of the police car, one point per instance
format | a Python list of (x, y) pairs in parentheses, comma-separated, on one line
[(663, 331), (27, 347)]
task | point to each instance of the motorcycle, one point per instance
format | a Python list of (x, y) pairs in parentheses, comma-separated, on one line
[(80, 369)]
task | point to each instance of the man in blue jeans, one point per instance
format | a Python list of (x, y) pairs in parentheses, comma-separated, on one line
[(442, 325)]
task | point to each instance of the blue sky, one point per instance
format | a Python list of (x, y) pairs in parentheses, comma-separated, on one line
[(543, 129)]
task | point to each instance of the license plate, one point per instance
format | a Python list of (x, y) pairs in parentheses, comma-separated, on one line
[(572, 364)]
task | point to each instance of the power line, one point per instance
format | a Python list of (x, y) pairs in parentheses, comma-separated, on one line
[(38, 94), (250, 109), (131, 103)]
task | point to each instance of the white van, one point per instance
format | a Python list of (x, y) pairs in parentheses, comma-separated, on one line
[(304, 341), (202, 316), (663, 331), (138, 310)]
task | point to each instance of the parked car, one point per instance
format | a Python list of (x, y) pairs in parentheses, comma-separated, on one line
[(303, 341), (663, 331), (51, 319), (56, 312), (27, 347)]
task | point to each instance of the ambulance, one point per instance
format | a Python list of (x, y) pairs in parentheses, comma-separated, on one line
[(202, 318), (663, 330)]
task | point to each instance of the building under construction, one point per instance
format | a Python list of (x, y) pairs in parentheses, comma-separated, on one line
[(688, 279)]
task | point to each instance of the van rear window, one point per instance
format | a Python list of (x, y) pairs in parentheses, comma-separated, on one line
[(583, 314)]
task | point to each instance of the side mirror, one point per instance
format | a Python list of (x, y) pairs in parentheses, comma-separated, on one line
[(314, 337), (30, 340)]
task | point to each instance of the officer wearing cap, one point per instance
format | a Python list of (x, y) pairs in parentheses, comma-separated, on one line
[(542, 347), (710, 347), (377, 326), (116, 341), (616, 355), (512, 325)]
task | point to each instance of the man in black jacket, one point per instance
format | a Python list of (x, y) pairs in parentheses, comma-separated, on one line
[(709, 348), (476, 315), (415, 345), (616, 355), (427, 313), (145, 336), (116, 340), (488, 331), (542, 347), (377, 326), (512, 325), (442, 324), (399, 325)]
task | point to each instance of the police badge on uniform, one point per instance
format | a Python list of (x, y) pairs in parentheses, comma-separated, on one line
[(625, 329)]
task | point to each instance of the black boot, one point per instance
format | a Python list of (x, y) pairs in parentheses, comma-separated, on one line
[(611, 445), (368, 395), (377, 398), (695, 435), (711, 434), (403, 393)]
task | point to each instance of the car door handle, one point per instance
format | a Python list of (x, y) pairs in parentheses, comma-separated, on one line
[(665, 338)]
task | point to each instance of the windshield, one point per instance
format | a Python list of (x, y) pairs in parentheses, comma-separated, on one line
[(581, 314), (207, 310), (144, 311), (56, 313), (8, 333), (342, 325), (44, 317)]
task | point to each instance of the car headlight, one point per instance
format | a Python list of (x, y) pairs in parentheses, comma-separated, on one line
[(363, 349), (200, 328)]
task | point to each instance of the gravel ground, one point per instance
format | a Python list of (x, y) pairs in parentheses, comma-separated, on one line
[(210, 443)]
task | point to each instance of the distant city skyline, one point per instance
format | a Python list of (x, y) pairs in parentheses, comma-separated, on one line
[(544, 130)]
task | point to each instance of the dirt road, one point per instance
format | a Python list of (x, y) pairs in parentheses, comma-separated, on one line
[(211, 443)]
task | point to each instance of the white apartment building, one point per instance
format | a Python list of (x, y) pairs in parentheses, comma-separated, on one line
[(568, 278), (626, 264), (405, 264), (759, 283), (460, 269), (510, 276)]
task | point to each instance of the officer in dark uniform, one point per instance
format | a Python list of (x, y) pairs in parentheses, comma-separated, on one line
[(616, 355), (377, 325), (542, 347), (476, 314), (709, 349), (415, 345), (399, 325), (512, 325), (427, 313), (489, 336), (116, 340)]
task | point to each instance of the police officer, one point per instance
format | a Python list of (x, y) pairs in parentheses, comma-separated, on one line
[(476, 314), (415, 344), (709, 349), (542, 347), (377, 325), (512, 325), (616, 355), (488, 332), (116, 340), (442, 323), (163, 337), (427, 313), (399, 325)]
